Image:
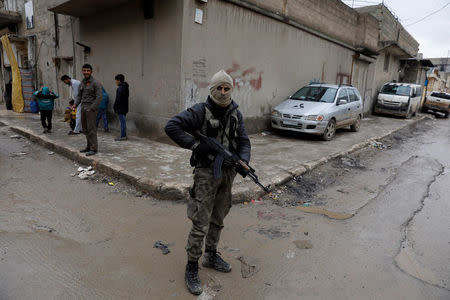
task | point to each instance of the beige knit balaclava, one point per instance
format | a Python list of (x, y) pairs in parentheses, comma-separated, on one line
[(221, 78)]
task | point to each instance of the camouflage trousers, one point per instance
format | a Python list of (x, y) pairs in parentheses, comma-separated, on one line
[(208, 205)]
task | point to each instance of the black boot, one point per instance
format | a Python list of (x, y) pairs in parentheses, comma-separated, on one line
[(192, 279), (212, 260)]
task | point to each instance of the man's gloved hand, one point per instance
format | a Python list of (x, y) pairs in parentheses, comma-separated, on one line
[(202, 149), (241, 170)]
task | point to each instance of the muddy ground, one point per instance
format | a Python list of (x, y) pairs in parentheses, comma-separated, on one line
[(387, 238)]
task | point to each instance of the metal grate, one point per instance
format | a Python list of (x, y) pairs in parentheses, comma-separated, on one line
[(299, 126)]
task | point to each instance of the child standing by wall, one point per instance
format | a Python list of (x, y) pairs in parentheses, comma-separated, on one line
[(46, 101), (70, 115)]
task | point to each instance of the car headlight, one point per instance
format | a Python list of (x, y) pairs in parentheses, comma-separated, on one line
[(314, 118), (276, 113)]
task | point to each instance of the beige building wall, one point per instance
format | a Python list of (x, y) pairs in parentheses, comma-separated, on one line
[(268, 60), (147, 52), (382, 76)]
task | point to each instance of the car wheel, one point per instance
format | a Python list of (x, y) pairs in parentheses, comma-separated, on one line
[(446, 115), (355, 126), (330, 131), (409, 113)]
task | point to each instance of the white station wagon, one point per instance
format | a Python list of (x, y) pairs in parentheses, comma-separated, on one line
[(320, 109)]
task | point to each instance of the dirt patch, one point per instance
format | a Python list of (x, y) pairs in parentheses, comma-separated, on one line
[(303, 244), (273, 232)]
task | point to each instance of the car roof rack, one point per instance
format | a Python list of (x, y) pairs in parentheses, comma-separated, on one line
[(345, 84)]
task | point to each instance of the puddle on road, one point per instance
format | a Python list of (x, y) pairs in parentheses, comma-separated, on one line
[(321, 211), (406, 261)]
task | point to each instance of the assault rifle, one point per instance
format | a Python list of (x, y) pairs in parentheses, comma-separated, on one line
[(224, 154)]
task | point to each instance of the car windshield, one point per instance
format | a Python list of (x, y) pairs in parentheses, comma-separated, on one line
[(315, 94), (393, 89), (441, 95)]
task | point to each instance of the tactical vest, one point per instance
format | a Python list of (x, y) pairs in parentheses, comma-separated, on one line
[(224, 131)]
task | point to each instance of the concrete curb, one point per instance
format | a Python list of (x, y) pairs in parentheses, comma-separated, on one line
[(167, 191), (308, 166)]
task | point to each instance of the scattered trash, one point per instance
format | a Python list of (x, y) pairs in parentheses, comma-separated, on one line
[(73, 174), (303, 244), (111, 183), (80, 169), (165, 249), (351, 162), (380, 145), (248, 267), (84, 173), (256, 201), (51, 153), (306, 233), (44, 228), (15, 154), (306, 204), (139, 194), (245, 203), (264, 133), (342, 191), (274, 197), (290, 254), (16, 136)]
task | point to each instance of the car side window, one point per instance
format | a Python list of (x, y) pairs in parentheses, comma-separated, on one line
[(342, 95), (352, 95)]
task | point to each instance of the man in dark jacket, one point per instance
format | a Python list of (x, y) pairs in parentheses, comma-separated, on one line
[(89, 97), (210, 199), (121, 105)]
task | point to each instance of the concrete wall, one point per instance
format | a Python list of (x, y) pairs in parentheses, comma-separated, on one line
[(331, 17), (381, 76), (391, 30), (147, 52), (268, 60)]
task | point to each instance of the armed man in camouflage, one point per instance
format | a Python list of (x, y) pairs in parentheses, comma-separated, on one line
[(210, 196)]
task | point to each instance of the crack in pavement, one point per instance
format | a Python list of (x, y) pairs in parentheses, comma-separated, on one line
[(403, 260)]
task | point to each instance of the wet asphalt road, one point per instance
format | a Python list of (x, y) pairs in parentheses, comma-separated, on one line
[(64, 238)]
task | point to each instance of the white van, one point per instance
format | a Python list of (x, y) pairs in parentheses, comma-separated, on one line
[(399, 99)]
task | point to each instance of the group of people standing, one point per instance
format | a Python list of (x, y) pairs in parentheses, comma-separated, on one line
[(90, 102)]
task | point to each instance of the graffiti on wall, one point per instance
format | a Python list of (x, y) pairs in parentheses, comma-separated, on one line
[(246, 81), (245, 77)]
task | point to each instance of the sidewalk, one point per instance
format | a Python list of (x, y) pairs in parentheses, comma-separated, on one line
[(163, 170)]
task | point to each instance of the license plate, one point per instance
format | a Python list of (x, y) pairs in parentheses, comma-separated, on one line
[(290, 122)]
